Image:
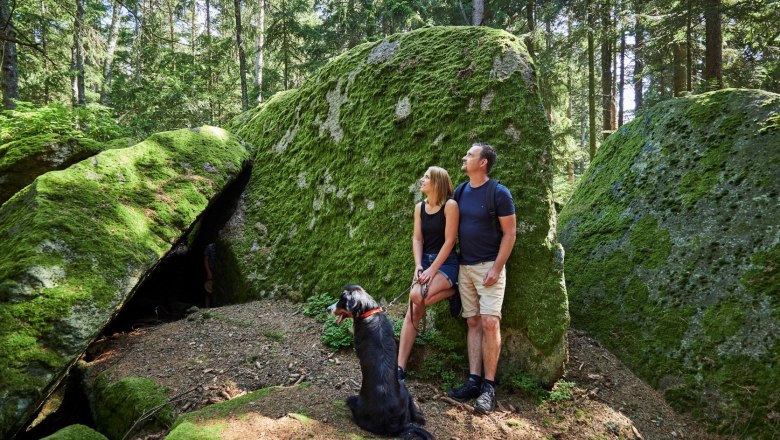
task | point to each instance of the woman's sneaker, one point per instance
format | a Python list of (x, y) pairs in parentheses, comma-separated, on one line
[(486, 402), (469, 390)]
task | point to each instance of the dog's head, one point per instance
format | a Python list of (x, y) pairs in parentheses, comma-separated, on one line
[(354, 301)]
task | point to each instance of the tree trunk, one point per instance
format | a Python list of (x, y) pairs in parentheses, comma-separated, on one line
[(260, 48), (45, 49), (622, 85), (208, 62), (171, 22), (591, 83), (478, 12), (241, 57), (108, 64), (285, 52), (10, 65), (638, 65), (606, 72), (713, 52), (193, 27), (678, 63), (688, 45), (77, 57), (529, 13)]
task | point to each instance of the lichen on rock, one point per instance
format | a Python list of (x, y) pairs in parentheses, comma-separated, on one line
[(672, 254), (362, 148), (76, 247)]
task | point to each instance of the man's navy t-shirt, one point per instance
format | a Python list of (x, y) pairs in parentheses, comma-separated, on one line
[(478, 241)]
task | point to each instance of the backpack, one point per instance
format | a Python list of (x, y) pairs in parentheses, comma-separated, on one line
[(491, 201)]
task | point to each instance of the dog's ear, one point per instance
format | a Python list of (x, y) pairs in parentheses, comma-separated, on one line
[(352, 302)]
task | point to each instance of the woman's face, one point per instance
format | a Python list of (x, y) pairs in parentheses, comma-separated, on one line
[(425, 183)]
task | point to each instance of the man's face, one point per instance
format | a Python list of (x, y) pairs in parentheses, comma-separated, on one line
[(472, 160)]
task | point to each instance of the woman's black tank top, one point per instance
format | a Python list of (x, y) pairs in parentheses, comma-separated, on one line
[(432, 229)]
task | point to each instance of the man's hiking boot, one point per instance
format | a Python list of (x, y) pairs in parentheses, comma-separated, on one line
[(486, 402), (467, 391)]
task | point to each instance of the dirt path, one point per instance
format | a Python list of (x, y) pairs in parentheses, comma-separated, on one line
[(225, 352)]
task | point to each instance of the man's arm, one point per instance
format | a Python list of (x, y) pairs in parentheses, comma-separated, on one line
[(509, 229)]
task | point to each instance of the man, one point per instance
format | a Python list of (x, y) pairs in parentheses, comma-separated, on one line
[(484, 250)]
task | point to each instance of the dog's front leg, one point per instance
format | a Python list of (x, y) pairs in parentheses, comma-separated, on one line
[(353, 402)]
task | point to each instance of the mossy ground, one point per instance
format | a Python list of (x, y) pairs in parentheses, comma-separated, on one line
[(334, 183), (76, 432), (671, 242), (76, 242)]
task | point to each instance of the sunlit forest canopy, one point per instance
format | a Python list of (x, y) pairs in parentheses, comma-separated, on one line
[(166, 64)]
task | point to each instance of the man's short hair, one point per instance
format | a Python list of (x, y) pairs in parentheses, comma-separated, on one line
[(488, 152)]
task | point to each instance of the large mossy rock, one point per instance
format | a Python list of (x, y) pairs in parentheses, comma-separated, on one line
[(673, 254), (334, 182), (21, 161), (76, 243)]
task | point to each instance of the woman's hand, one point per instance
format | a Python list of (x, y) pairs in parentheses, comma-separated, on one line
[(417, 272), (426, 276)]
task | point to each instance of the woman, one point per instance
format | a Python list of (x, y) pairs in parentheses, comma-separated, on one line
[(433, 247)]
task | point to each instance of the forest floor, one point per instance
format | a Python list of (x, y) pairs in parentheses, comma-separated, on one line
[(221, 353)]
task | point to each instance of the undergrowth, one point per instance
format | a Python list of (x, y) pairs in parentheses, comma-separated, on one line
[(561, 391)]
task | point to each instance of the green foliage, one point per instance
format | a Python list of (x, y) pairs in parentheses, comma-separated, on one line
[(561, 391), (336, 336), (93, 121), (317, 306)]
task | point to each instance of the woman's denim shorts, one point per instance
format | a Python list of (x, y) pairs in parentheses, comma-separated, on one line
[(449, 269)]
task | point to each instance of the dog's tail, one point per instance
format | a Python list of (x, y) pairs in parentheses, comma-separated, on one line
[(413, 432)]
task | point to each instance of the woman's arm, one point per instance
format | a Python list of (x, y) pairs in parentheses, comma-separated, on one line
[(451, 219), (417, 241)]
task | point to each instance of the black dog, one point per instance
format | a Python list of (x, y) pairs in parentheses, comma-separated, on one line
[(384, 405)]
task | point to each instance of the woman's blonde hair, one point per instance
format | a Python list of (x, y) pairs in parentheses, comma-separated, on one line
[(442, 185)]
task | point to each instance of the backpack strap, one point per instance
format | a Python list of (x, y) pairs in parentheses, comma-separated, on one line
[(491, 205), (458, 191)]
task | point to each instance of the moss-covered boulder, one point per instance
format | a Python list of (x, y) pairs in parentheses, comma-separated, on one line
[(118, 406), (673, 254), (23, 160), (334, 182), (76, 243), (76, 432)]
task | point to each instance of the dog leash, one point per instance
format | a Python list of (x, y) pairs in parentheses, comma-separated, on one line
[(411, 305)]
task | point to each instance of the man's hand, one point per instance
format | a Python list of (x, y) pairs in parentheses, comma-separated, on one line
[(491, 277)]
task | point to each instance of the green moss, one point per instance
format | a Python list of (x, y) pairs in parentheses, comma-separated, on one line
[(650, 245), (200, 431), (723, 320), (75, 243), (333, 187), (230, 408), (635, 299), (76, 432), (118, 405), (706, 108), (764, 276)]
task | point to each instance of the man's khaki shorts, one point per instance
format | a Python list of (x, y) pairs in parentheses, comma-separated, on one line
[(477, 298)]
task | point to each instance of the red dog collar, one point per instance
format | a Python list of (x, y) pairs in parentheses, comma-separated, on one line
[(370, 312)]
